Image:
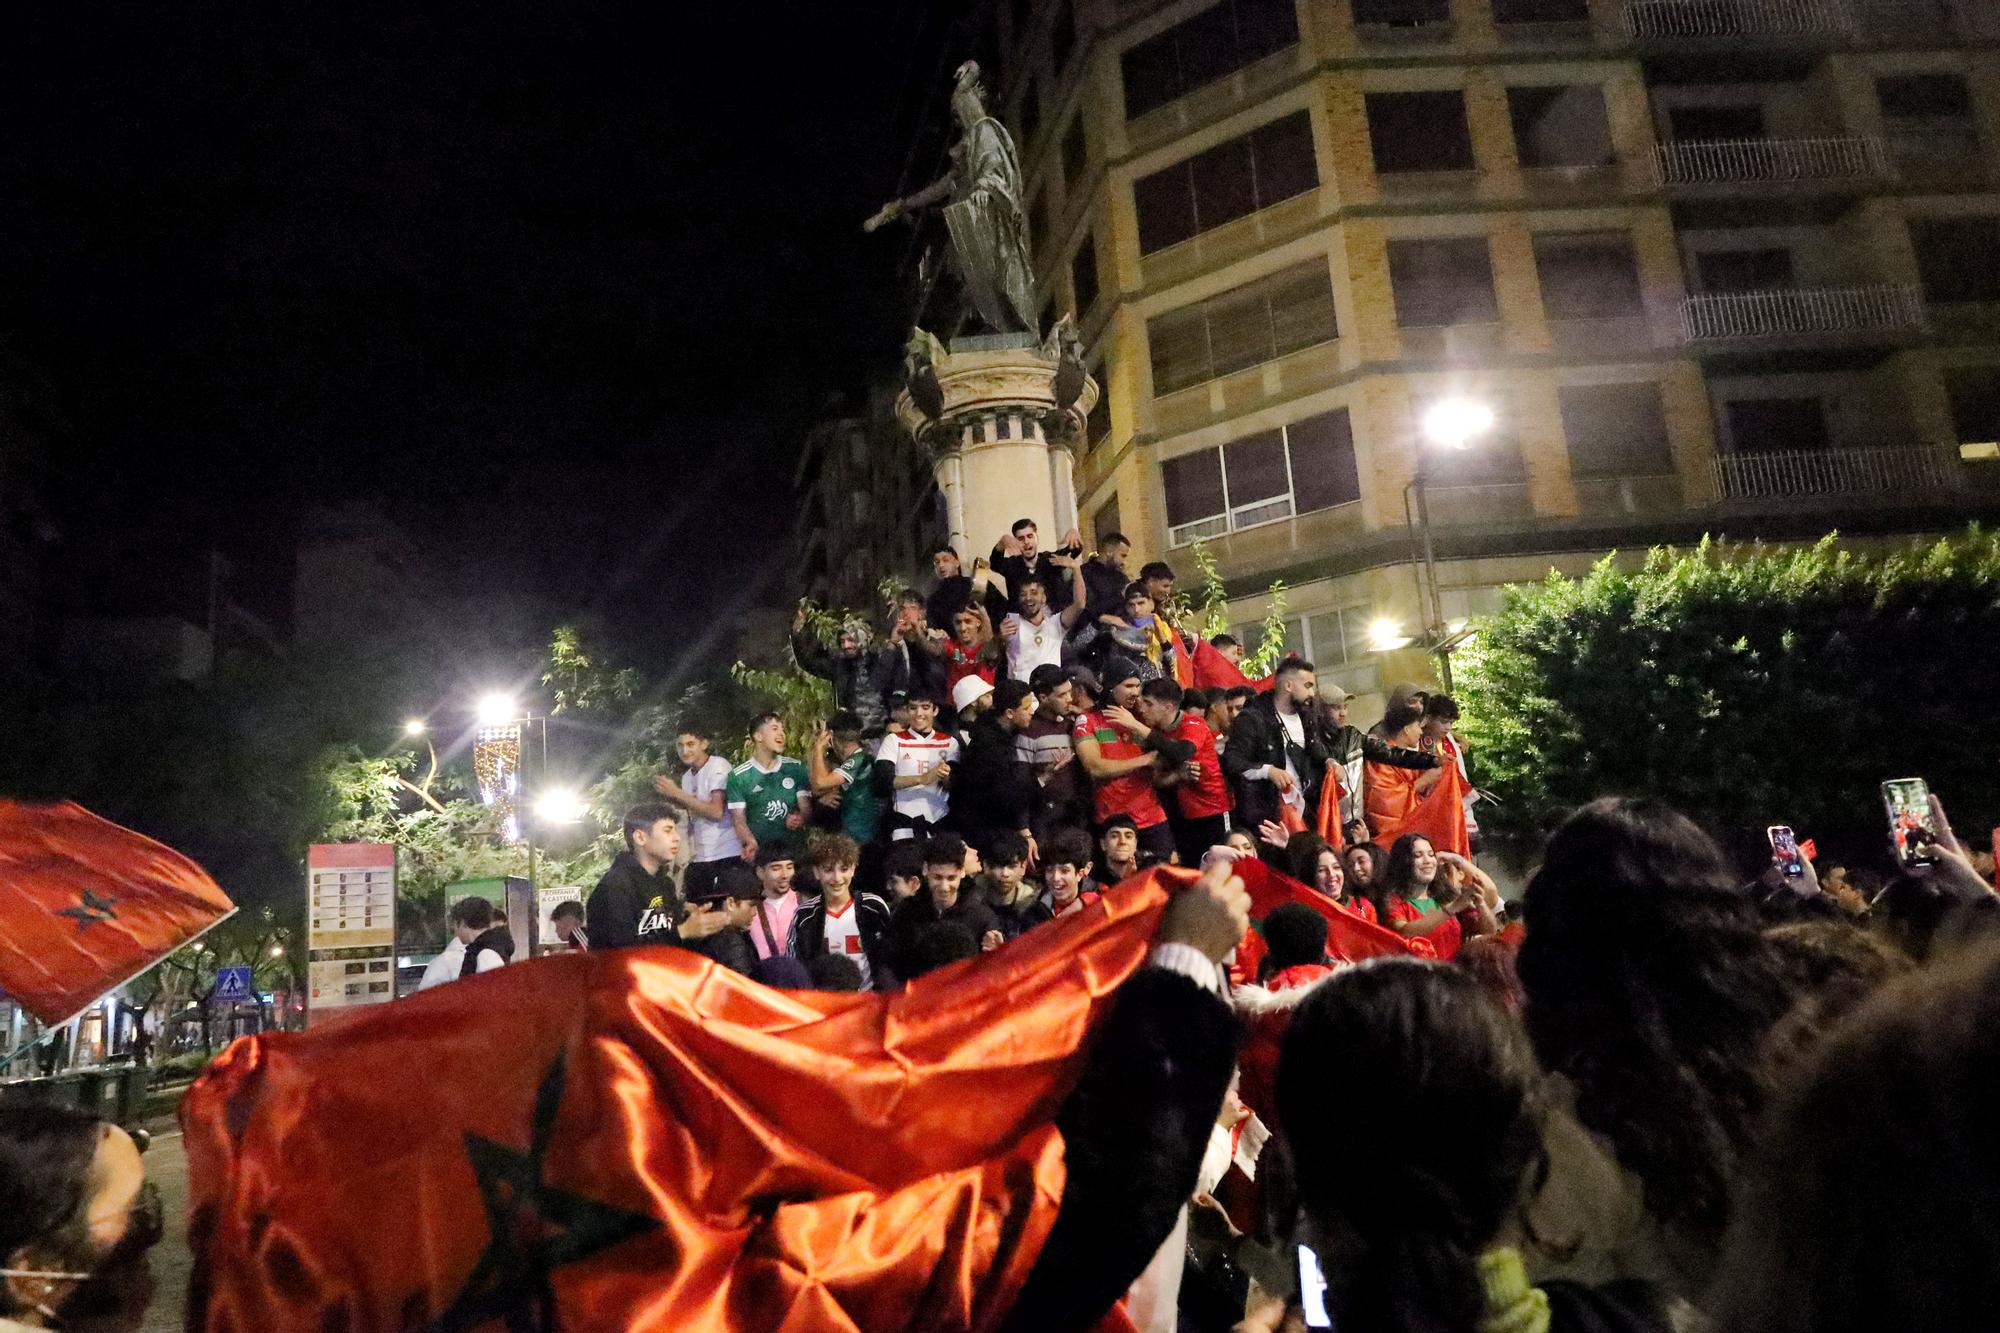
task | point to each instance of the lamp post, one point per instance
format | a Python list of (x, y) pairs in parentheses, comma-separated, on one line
[(1456, 424)]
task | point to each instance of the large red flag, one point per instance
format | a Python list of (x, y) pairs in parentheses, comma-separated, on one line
[(86, 905), (1439, 814), (1213, 671), (639, 1139)]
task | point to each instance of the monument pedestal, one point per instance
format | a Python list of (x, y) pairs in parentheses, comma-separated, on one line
[(1002, 418)]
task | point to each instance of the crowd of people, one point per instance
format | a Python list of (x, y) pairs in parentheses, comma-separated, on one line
[(1653, 1092)]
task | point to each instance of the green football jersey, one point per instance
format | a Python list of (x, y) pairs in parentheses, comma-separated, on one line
[(767, 798)]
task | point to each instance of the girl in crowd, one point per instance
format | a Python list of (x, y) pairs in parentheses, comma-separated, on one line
[(1407, 896)]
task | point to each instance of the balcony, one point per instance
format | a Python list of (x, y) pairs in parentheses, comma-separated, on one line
[(1709, 20), (1906, 473), (1802, 312), (1712, 162), (1402, 20)]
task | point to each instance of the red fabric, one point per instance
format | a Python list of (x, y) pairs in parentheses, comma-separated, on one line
[(1360, 907), (1213, 671), (1291, 978), (1210, 796), (86, 905), (1394, 808), (960, 662), (1445, 938), (666, 1144), (1130, 793), (1326, 821)]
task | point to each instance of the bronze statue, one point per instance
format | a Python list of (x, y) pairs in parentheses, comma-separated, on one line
[(989, 230)]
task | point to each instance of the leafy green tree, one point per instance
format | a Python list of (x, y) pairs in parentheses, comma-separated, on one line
[(1747, 686)]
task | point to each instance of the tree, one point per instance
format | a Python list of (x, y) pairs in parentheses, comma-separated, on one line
[(1747, 686)]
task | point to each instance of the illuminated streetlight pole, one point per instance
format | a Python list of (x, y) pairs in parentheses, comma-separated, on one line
[(1456, 424)]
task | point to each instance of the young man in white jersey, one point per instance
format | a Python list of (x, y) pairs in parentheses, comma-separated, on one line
[(1033, 636), (703, 793), (914, 766)]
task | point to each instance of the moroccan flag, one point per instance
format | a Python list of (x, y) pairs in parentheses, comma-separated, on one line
[(86, 905), (1439, 814), (1326, 821), (639, 1139), (1213, 671)]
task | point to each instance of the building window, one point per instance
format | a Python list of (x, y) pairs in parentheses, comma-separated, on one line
[(1337, 643), (1615, 430), (1442, 282), (1419, 132), (1563, 126), (1242, 327), (1105, 521), (1955, 257), (1724, 271), (1083, 277), (1075, 153), (1039, 226), (1975, 409), (1774, 425), (1698, 124), (1097, 425), (1541, 11), (1030, 116), (1590, 276), (1909, 98), (1232, 180), (1062, 38), (1261, 478), (1209, 46), (1400, 13)]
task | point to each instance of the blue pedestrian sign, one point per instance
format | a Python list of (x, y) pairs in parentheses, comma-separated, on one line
[(232, 986)]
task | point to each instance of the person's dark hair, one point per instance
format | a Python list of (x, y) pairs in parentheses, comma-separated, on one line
[(1398, 716), (945, 849), (1026, 579), (1242, 694), (1117, 821), (733, 879), (1406, 1228), (832, 971), (1020, 523), (845, 723), (1164, 688), (1047, 677), (1155, 569), (46, 1155), (1489, 960), (1291, 666), (1296, 935), (937, 944), (904, 860), (1369, 850), (1069, 847), (758, 721), (1194, 701), (1652, 988), (944, 549), (1009, 693), (909, 597), (1007, 849), (1302, 856), (1396, 875), (695, 729), (1137, 588), (1225, 641), (570, 911), (833, 850), (474, 912), (1835, 965), (1925, 914), (1113, 539), (776, 849), (1872, 1198), (1442, 707), (641, 818)]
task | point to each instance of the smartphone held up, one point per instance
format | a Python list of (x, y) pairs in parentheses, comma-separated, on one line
[(1912, 828)]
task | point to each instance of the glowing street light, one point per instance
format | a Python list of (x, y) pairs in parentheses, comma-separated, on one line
[(1454, 423), (498, 708), (415, 726), (1386, 635), (561, 805)]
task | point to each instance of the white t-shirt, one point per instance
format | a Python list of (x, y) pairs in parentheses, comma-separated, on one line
[(1295, 736), (1033, 645), (710, 839), (843, 936), (911, 753)]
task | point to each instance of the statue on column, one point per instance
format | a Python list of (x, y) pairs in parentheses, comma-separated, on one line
[(982, 210)]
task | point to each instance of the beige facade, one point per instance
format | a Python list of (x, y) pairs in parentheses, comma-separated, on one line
[(1792, 355)]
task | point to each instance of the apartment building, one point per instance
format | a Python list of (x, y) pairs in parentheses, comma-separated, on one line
[(1659, 267)]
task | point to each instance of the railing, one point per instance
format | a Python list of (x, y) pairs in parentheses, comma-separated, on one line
[(1783, 475), (1769, 161), (1888, 308), (1736, 18), (1389, 17)]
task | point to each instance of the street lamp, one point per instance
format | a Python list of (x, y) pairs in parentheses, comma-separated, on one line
[(497, 708), (561, 805), (415, 726), (1455, 423)]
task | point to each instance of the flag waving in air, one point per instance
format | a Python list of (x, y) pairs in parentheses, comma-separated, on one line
[(639, 1139), (86, 905)]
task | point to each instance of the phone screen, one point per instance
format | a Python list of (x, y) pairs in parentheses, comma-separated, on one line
[(1312, 1290), (1911, 831), (1785, 852)]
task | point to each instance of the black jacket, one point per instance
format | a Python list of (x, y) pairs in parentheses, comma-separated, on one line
[(498, 939), (871, 914), (913, 914), (861, 683), (626, 894), (730, 947), (1134, 1130), (992, 791), (1104, 590), (1257, 738), (1054, 579)]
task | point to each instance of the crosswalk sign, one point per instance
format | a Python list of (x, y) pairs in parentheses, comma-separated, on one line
[(232, 986)]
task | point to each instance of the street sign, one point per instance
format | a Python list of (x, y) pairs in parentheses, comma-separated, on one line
[(232, 986), (350, 927)]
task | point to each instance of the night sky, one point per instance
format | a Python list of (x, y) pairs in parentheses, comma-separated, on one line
[(558, 283)]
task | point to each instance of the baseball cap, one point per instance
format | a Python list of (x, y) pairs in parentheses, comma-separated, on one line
[(968, 692)]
